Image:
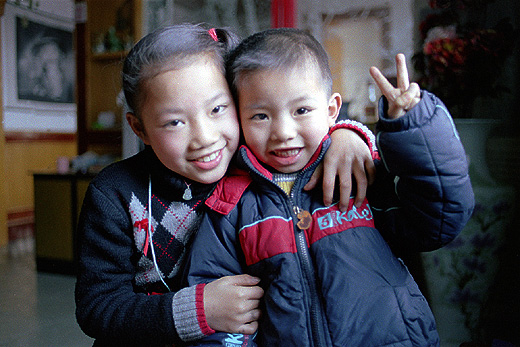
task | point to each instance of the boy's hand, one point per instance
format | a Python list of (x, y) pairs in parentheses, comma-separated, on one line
[(402, 98), (231, 304), (347, 155)]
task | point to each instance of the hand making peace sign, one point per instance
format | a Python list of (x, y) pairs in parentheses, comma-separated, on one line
[(402, 98)]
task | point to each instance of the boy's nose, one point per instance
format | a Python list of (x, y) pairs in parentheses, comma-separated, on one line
[(283, 128)]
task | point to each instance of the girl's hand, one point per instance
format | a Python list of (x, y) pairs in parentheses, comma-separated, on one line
[(402, 98), (231, 304), (347, 156)]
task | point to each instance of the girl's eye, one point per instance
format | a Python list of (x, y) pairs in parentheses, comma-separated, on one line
[(259, 116), (218, 109), (302, 110)]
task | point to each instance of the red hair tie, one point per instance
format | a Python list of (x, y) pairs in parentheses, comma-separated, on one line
[(213, 33)]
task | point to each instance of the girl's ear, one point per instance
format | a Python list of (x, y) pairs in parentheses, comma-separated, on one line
[(334, 107), (137, 126)]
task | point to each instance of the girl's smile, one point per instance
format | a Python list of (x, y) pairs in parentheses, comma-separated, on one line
[(210, 161)]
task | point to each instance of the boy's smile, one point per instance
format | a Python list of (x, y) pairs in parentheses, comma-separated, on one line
[(285, 113), (190, 120)]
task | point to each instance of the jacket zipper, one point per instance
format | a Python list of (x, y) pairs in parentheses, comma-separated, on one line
[(308, 271), (318, 335)]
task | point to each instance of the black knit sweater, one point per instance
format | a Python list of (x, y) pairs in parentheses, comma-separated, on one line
[(117, 279)]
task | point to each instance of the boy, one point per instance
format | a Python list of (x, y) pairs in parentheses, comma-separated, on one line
[(330, 279)]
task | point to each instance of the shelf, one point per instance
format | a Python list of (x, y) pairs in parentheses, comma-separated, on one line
[(105, 137), (107, 56), (99, 74)]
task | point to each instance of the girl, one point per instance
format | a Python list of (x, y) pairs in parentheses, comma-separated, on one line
[(139, 214)]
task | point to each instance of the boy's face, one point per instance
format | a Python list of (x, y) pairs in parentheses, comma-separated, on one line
[(285, 114), (189, 119)]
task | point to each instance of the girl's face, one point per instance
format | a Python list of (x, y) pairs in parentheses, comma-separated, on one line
[(189, 119)]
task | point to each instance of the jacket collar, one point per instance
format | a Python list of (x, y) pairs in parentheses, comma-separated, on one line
[(247, 160)]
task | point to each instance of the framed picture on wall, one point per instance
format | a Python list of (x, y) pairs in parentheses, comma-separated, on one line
[(38, 71), (45, 69)]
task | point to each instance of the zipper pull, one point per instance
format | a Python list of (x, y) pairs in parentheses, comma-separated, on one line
[(304, 218)]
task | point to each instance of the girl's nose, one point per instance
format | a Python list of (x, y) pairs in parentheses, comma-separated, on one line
[(203, 133)]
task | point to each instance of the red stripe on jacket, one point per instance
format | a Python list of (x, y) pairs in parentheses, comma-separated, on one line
[(267, 238), (275, 235)]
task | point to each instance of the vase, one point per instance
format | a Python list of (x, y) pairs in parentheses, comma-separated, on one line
[(474, 134), (459, 276)]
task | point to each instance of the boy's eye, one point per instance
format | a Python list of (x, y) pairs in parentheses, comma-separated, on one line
[(259, 116), (174, 123)]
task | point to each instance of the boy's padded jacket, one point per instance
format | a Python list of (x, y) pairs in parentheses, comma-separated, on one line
[(331, 278)]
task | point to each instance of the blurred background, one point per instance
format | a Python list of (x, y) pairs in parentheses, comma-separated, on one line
[(63, 120)]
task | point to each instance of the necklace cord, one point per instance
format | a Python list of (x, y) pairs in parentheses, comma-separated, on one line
[(150, 232)]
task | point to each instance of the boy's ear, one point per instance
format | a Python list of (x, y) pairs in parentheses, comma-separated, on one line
[(334, 107), (137, 126)]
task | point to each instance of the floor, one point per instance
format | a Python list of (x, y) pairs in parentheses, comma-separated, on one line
[(36, 309)]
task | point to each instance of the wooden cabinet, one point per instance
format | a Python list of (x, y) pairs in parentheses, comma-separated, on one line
[(57, 203), (110, 28)]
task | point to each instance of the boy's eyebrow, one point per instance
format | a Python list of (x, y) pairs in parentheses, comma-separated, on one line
[(171, 110), (297, 100), (255, 106)]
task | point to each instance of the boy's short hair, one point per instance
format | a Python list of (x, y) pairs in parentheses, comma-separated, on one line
[(275, 49)]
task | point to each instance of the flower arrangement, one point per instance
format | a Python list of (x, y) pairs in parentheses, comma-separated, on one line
[(460, 58)]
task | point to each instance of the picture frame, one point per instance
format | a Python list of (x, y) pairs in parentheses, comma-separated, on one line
[(39, 72)]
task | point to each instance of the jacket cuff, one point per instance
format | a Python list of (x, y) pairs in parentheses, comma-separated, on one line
[(362, 131), (189, 315)]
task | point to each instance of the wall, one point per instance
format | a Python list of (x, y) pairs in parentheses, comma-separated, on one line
[(22, 153), (3, 181)]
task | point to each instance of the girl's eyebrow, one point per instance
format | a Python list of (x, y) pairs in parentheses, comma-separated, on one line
[(218, 96)]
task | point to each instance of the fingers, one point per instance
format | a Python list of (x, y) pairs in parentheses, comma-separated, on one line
[(243, 280), (403, 81), (247, 329), (370, 170), (387, 89), (330, 171), (404, 102), (362, 184), (412, 96), (345, 188), (314, 178), (245, 324), (232, 301), (402, 98)]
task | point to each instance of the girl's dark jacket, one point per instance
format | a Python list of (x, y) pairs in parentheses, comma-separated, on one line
[(333, 279)]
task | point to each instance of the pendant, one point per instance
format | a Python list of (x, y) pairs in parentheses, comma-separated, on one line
[(187, 194), (304, 220)]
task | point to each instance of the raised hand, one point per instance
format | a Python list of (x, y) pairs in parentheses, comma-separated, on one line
[(402, 98)]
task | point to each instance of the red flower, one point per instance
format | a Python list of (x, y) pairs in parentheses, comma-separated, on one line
[(446, 54), (460, 61)]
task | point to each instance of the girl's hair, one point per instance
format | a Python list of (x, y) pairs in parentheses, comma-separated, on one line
[(169, 48), (277, 49)]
